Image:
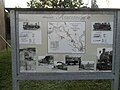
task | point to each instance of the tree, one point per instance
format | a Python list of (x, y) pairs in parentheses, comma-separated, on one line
[(55, 3)]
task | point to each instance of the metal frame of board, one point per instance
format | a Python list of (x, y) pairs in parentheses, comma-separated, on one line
[(16, 75)]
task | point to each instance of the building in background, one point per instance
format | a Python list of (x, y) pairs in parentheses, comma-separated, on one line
[(2, 25)]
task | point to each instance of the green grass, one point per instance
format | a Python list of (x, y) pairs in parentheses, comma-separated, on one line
[(66, 85), (6, 80), (5, 70)]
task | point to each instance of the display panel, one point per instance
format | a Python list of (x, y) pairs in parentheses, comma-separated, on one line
[(65, 42)]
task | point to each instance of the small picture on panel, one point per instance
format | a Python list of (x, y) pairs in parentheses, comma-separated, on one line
[(72, 61), (45, 60), (31, 25), (27, 59), (87, 65), (104, 61), (60, 66), (45, 63), (104, 26)]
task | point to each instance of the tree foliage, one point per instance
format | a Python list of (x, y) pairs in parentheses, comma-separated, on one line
[(55, 3)]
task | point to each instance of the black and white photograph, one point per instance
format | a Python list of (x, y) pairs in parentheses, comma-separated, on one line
[(27, 59), (104, 26), (87, 65), (45, 63), (104, 61), (31, 25), (73, 63), (45, 60), (72, 60), (60, 66)]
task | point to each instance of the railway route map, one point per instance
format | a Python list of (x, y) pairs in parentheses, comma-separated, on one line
[(66, 37)]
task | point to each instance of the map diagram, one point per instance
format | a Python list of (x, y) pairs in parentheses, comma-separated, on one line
[(66, 37)]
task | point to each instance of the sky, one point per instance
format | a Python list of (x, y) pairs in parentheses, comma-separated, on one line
[(13, 3), (101, 3)]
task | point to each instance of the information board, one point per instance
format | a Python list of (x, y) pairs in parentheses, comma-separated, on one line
[(65, 44)]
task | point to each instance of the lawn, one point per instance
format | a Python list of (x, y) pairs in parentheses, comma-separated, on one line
[(6, 80)]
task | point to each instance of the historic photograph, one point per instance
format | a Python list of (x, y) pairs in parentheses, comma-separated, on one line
[(45, 60), (45, 63), (72, 61), (104, 26), (104, 61), (27, 59), (87, 65), (31, 25), (60, 66)]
